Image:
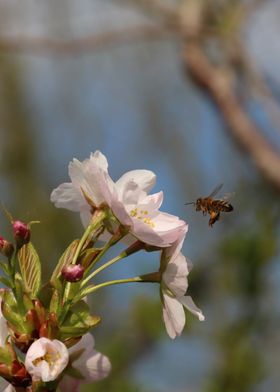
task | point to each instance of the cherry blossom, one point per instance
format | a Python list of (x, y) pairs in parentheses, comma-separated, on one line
[(128, 198), (46, 359), (92, 365)]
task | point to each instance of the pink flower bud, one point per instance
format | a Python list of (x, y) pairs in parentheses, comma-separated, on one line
[(73, 273), (6, 247), (21, 232)]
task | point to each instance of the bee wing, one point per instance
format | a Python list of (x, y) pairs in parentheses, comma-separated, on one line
[(216, 190), (228, 196)]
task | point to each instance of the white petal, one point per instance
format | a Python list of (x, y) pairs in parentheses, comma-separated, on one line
[(9, 388), (190, 305), (172, 251), (145, 180), (175, 275), (67, 196), (167, 222), (85, 215), (86, 343), (3, 328), (46, 370), (130, 194), (87, 176), (5, 386), (151, 202), (93, 365), (173, 316), (146, 234), (99, 159), (111, 197)]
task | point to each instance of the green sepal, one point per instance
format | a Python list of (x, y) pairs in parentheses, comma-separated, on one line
[(64, 260), (30, 267), (5, 356), (55, 303), (9, 298), (5, 267), (12, 316), (78, 321), (28, 304), (19, 289)]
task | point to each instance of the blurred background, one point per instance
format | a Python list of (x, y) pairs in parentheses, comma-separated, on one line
[(189, 89)]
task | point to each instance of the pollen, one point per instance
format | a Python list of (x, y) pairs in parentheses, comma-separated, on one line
[(142, 216), (50, 358), (134, 212)]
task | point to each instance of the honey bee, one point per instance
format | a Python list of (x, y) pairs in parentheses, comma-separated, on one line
[(213, 207)]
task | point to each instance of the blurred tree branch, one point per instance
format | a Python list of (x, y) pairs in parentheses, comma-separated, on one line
[(219, 77), (91, 43)]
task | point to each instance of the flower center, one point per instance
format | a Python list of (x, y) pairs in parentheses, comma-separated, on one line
[(50, 357), (143, 216)]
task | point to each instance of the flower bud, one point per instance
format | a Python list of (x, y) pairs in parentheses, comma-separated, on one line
[(73, 273), (21, 233), (6, 247)]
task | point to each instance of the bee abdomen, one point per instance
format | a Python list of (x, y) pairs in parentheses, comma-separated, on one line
[(222, 206)]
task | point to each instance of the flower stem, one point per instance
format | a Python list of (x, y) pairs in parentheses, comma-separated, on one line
[(98, 218), (138, 279), (106, 265), (120, 233)]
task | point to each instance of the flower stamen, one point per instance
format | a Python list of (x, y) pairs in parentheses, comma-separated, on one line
[(142, 215)]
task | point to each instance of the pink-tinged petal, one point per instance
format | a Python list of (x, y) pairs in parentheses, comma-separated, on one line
[(145, 180), (167, 222), (67, 196), (130, 194), (85, 215), (93, 365), (86, 343), (96, 366), (173, 316), (146, 234), (76, 171), (99, 159), (190, 305), (5, 386), (173, 251), (111, 197), (9, 388), (175, 275), (3, 328), (91, 184), (87, 175), (151, 203)]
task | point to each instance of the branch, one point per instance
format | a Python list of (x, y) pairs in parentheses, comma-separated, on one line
[(218, 84), (45, 46)]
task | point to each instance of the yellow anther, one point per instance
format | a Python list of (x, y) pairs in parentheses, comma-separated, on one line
[(133, 212), (140, 216)]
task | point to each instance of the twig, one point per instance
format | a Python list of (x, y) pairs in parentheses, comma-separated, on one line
[(96, 42)]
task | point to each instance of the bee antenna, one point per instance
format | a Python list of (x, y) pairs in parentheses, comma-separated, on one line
[(192, 202)]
